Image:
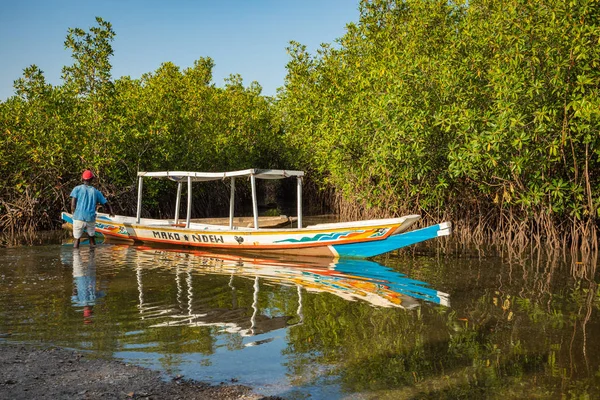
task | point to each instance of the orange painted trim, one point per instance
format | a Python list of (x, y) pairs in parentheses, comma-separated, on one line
[(109, 233), (259, 232), (246, 246), (289, 246), (260, 246)]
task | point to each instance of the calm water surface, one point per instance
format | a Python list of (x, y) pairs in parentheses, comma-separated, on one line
[(429, 322)]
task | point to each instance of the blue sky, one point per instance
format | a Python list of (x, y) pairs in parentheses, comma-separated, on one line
[(242, 37)]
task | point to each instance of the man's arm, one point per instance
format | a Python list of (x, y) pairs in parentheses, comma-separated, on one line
[(73, 204), (109, 208), (100, 199)]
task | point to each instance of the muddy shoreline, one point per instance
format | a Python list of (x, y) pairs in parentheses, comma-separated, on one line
[(28, 371)]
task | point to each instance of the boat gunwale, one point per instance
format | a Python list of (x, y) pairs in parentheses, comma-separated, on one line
[(202, 228)]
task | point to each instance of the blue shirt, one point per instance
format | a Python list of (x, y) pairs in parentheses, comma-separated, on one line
[(87, 197)]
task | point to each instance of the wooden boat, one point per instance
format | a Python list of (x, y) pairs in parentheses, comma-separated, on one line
[(358, 239)]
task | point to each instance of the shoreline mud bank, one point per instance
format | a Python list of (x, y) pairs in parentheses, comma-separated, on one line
[(28, 371)]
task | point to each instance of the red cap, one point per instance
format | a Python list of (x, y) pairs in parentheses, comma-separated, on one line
[(87, 174)]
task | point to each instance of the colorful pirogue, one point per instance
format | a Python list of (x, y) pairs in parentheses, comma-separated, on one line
[(358, 239)]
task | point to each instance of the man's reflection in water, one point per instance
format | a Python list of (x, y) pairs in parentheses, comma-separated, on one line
[(84, 282)]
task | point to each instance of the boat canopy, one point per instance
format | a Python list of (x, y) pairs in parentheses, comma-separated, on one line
[(178, 176), (191, 176)]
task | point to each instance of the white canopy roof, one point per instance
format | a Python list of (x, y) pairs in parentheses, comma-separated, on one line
[(178, 176), (182, 176)]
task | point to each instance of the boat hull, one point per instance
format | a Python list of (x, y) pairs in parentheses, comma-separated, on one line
[(354, 240)]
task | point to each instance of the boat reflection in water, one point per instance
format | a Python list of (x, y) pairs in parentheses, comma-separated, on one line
[(350, 279)]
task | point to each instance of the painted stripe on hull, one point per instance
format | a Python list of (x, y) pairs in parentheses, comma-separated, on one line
[(371, 249)]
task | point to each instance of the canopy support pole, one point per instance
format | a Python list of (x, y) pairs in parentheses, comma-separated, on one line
[(254, 201), (178, 202), (189, 203), (231, 203), (299, 181), (139, 202)]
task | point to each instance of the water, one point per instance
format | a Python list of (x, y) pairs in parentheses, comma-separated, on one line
[(423, 324)]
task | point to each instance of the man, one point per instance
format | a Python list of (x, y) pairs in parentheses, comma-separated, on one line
[(84, 199)]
